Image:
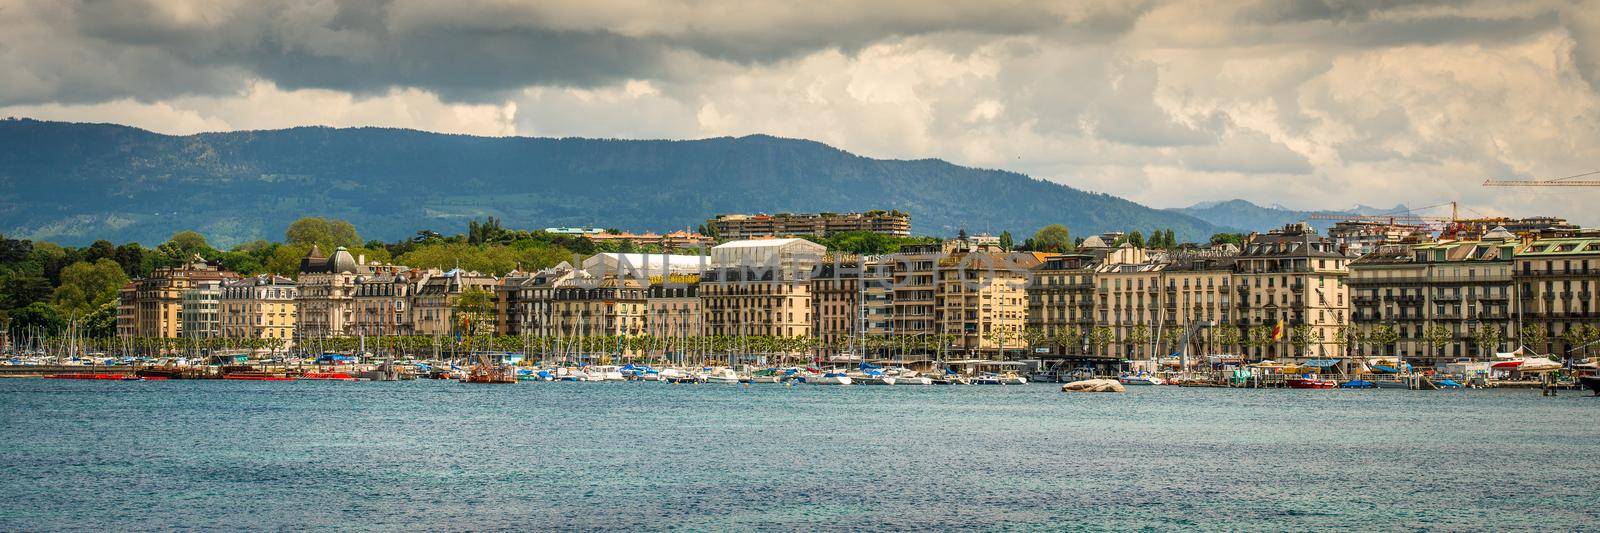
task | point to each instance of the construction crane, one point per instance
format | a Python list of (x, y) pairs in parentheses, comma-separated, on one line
[(1409, 219), (1568, 181)]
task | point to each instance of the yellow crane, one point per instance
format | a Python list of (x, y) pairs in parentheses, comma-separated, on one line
[(1568, 181)]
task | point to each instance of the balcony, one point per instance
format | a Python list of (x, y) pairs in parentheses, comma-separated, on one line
[(1447, 298)]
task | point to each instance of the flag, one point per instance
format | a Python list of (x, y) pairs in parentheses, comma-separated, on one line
[(1277, 332)]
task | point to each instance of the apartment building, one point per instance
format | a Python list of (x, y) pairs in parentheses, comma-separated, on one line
[(836, 299), (1061, 301), (153, 306), (1294, 277), (1463, 291), (673, 309), (981, 300), (1556, 280), (1196, 300), (259, 307), (523, 300), (201, 310), (606, 307), (383, 303), (433, 309), (760, 287), (740, 226)]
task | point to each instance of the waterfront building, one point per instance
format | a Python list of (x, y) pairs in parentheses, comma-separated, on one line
[(611, 306), (876, 298), (1388, 289), (1061, 302), (153, 307), (201, 310), (259, 307), (1443, 300), (1557, 279), (739, 226), (1295, 278), (673, 309), (760, 287), (980, 300), (383, 303), (1196, 301), (433, 309), (835, 295), (325, 304), (912, 287), (523, 301), (1128, 298)]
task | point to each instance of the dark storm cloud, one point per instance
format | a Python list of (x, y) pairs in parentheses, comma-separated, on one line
[(466, 51)]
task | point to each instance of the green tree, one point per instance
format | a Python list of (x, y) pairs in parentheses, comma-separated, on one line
[(1436, 336), (327, 233), (1534, 336), (37, 316), (18, 289), (1005, 241), (1487, 338), (85, 287), (474, 311), (183, 246), (1383, 336), (1136, 239), (1303, 336), (1054, 238)]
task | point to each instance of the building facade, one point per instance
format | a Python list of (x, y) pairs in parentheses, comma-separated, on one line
[(1293, 278), (259, 307), (736, 227)]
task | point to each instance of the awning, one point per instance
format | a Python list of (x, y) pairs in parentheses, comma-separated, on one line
[(1385, 369), (1322, 363)]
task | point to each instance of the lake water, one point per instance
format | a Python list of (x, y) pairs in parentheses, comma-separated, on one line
[(442, 455)]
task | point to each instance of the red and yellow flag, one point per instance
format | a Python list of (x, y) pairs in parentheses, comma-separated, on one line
[(1277, 332)]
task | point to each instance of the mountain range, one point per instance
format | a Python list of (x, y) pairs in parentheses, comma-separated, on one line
[(1249, 216), (73, 183)]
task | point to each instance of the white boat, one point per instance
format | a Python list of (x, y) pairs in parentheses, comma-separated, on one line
[(913, 380), (1141, 379), (830, 378), (1011, 378), (874, 378), (722, 375)]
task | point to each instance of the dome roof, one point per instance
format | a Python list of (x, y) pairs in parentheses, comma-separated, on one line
[(342, 261)]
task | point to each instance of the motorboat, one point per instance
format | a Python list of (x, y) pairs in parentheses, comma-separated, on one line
[(1591, 383), (769, 375), (1308, 382), (1011, 378), (1140, 379), (873, 377), (1356, 384), (831, 378), (912, 378), (327, 376), (722, 375)]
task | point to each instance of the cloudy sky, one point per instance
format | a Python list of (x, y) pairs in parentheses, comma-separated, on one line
[(1309, 104)]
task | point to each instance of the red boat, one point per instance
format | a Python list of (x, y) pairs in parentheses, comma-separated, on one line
[(328, 376), (255, 376), (1311, 383), (103, 377)]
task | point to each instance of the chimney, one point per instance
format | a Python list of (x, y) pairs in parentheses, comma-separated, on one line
[(361, 259)]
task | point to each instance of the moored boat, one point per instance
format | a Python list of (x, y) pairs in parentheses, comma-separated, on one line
[(831, 378), (1140, 379), (328, 376), (1591, 383), (1310, 383)]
